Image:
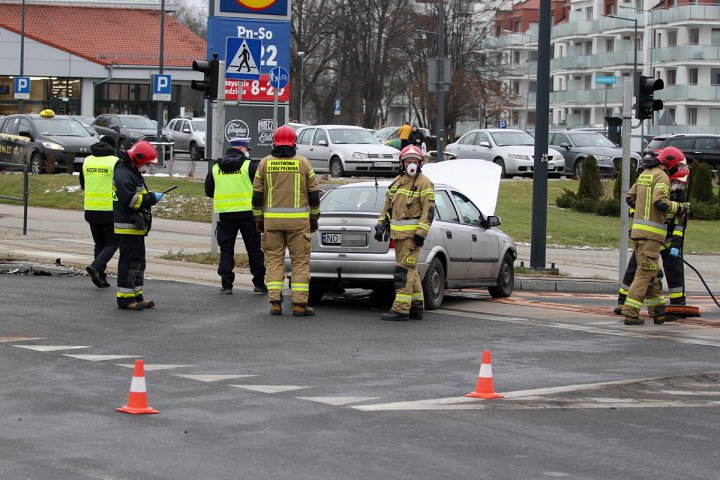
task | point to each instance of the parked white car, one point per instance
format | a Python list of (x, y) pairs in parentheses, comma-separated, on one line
[(189, 136), (512, 150), (344, 150)]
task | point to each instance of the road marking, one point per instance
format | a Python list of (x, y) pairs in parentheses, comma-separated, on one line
[(558, 404), (212, 378), (100, 358), (18, 339), (338, 400), (49, 348), (153, 367), (270, 388), (682, 392)]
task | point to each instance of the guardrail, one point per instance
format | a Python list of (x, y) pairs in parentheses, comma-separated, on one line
[(24, 198)]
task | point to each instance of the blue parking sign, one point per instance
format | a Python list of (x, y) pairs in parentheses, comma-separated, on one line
[(502, 124), (21, 85), (162, 87)]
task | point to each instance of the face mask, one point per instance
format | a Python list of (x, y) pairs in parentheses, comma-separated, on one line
[(411, 169)]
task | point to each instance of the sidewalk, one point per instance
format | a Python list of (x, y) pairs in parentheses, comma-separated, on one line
[(64, 234)]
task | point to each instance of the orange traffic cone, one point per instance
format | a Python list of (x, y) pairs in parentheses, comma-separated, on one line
[(484, 387), (137, 398)]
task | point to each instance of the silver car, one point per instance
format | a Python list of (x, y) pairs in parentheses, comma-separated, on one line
[(344, 149), (463, 248), (189, 136)]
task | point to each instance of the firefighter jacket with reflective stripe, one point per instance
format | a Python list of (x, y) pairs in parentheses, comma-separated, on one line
[(233, 190), (285, 193), (649, 197), (409, 206), (131, 201)]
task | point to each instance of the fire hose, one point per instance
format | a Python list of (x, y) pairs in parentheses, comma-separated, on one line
[(703, 281)]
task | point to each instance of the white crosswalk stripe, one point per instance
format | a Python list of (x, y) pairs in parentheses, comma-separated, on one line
[(50, 348), (100, 358), (212, 378), (270, 388)]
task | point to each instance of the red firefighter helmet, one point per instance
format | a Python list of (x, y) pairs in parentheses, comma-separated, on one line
[(411, 151), (141, 153), (284, 136), (680, 173), (670, 156)]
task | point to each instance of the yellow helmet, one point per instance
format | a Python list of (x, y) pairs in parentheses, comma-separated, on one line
[(47, 113)]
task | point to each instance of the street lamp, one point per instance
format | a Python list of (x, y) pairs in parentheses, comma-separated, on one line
[(302, 74)]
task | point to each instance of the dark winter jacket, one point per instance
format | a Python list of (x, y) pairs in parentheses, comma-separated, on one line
[(131, 206), (99, 149), (414, 136), (231, 162)]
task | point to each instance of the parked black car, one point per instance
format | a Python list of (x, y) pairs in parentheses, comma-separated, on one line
[(577, 145), (45, 141), (695, 146), (121, 131)]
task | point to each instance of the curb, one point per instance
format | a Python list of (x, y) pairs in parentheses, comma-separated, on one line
[(566, 285)]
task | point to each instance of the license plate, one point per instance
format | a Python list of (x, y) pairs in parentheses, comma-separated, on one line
[(79, 159), (331, 239), (382, 164)]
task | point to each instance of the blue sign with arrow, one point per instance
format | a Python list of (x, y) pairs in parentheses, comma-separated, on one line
[(279, 78)]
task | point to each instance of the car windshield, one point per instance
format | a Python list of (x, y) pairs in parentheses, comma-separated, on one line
[(656, 143), (61, 127), (591, 140), (198, 125), (354, 199), (384, 132), (136, 122), (512, 138), (352, 135)]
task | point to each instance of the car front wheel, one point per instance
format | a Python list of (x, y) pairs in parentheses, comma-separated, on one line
[(577, 171), (433, 285), (336, 168), (194, 152), (36, 164), (501, 163), (505, 279)]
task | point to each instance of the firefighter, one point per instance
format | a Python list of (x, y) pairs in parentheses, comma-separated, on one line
[(670, 250), (286, 207), (230, 183), (649, 196), (131, 209), (406, 218), (96, 179)]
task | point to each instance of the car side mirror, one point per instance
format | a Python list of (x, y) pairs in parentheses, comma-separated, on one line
[(485, 144), (322, 143), (493, 221), (24, 133), (115, 127), (186, 130), (565, 145)]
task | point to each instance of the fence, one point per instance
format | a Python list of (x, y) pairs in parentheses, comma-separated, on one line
[(24, 198)]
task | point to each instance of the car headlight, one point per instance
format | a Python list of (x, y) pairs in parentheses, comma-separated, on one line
[(53, 146), (359, 156), (515, 156), (396, 157), (602, 157), (135, 134)]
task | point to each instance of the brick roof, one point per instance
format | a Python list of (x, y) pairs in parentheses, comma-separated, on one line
[(119, 36)]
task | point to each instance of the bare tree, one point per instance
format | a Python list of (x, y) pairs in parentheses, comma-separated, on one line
[(193, 15)]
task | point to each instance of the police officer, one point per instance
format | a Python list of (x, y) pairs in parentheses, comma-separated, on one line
[(96, 179), (230, 183), (649, 197), (131, 210), (671, 248), (406, 218), (286, 207)]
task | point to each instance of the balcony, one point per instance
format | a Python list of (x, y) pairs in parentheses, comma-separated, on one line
[(601, 61), (682, 14), (586, 97), (686, 53), (583, 28), (690, 93)]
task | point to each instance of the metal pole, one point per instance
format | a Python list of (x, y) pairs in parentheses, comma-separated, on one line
[(339, 86), (218, 139), (302, 74), (26, 194), (625, 180), (605, 111), (21, 107), (160, 103), (440, 155), (538, 234), (275, 107)]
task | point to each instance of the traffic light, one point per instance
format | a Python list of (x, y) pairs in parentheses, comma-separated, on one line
[(646, 104), (209, 85)]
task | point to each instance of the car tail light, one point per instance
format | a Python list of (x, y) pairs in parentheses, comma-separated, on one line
[(392, 243)]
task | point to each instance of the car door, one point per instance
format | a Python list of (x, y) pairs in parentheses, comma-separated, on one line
[(102, 126), (181, 134), (483, 152), (465, 146), (483, 241), (454, 235), (319, 150), (707, 150), (304, 143), (11, 146)]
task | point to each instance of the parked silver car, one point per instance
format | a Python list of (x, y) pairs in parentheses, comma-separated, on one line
[(463, 247), (189, 136), (344, 149), (577, 145), (512, 150)]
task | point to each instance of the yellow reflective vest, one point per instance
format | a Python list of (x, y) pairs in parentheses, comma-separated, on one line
[(233, 190), (651, 188), (98, 174)]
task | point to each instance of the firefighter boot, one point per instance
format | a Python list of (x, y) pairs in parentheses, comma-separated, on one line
[(618, 310), (275, 308), (658, 315), (95, 277), (137, 306), (634, 321), (393, 315), (302, 311), (416, 310), (147, 304)]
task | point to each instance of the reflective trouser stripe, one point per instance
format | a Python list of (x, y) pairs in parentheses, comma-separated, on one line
[(623, 290), (418, 296), (655, 301), (676, 294), (402, 298), (299, 287), (633, 303), (125, 295), (275, 285)]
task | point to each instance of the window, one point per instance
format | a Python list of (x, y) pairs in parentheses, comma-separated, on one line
[(114, 122), (671, 77), (692, 116), (683, 143), (320, 135), (692, 76), (354, 199), (532, 56), (481, 137), (470, 214), (694, 36), (588, 83), (532, 86), (444, 208), (305, 136), (715, 76), (589, 13), (672, 38), (588, 48), (468, 139), (609, 9), (102, 121), (515, 87), (516, 57), (559, 139), (707, 143), (178, 126), (25, 126), (715, 36), (11, 126), (610, 44)]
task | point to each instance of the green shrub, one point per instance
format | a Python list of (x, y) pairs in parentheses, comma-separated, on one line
[(701, 189), (609, 207), (585, 205), (705, 211), (590, 184), (567, 199)]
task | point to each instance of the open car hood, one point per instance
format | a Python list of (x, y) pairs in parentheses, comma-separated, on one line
[(477, 179)]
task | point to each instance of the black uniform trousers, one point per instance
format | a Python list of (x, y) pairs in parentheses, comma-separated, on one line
[(227, 230), (131, 269), (106, 244), (672, 267)]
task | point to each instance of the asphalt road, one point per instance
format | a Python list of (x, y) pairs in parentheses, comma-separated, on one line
[(378, 399)]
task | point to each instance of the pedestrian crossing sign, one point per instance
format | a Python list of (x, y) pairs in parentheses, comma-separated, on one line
[(243, 58)]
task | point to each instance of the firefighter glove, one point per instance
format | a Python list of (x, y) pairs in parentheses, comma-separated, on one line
[(159, 196), (260, 226), (382, 232), (686, 207), (674, 252), (313, 225), (419, 240)]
